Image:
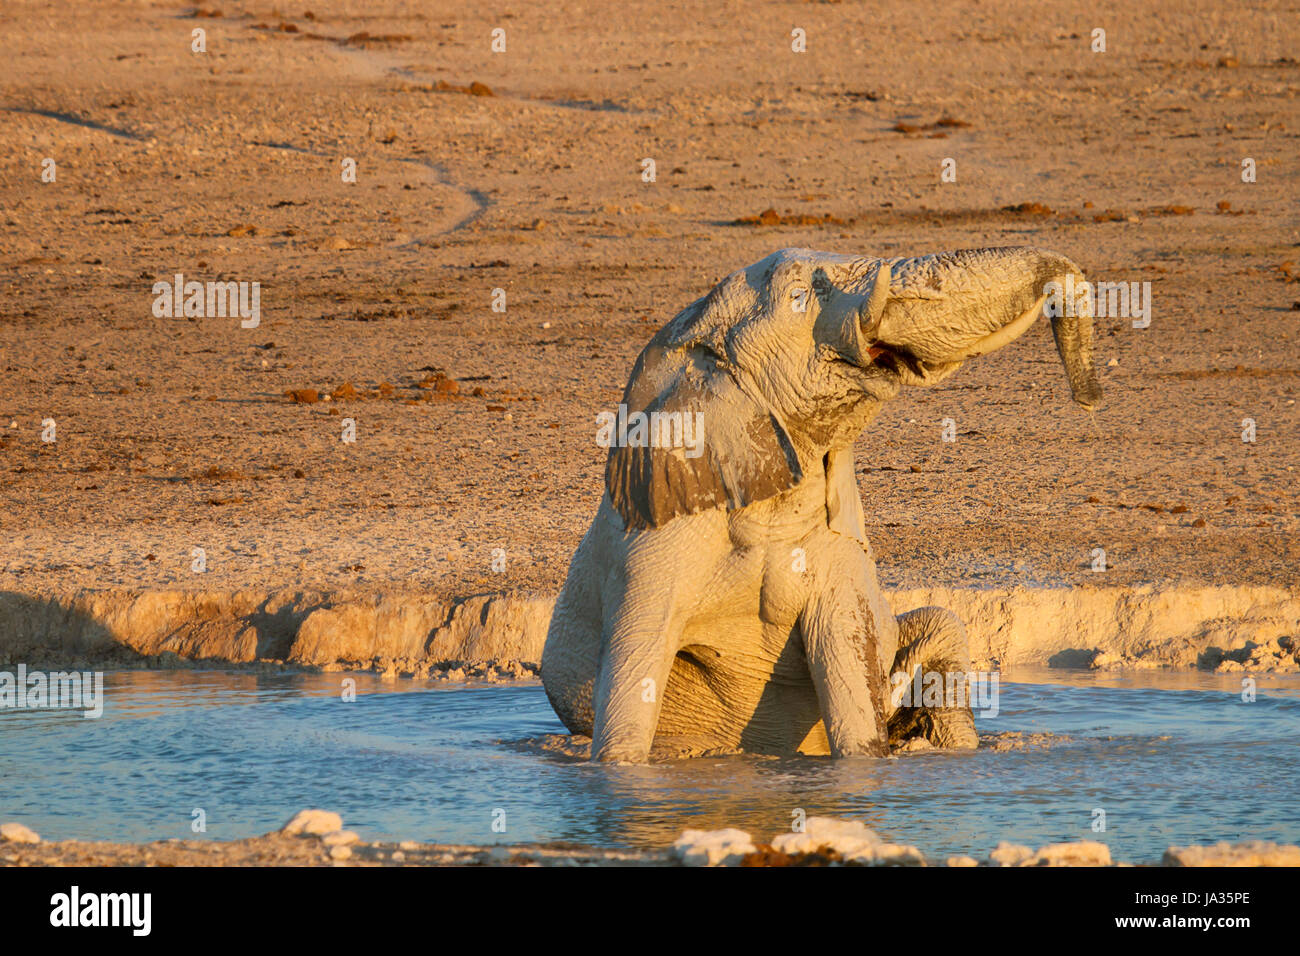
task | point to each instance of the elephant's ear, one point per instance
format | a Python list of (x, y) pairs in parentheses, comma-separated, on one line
[(689, 437)]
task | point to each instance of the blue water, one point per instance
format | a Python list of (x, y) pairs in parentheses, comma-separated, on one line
[(1171, 759)]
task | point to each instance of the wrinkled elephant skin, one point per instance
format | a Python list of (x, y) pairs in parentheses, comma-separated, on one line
[(725, 596)]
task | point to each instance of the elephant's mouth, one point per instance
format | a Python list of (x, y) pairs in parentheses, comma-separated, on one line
[(895, 359)]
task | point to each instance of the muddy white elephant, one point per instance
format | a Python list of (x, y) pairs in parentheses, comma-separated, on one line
[(725, 596)]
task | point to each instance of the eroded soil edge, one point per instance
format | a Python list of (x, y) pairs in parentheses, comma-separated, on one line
[(1224, 628)]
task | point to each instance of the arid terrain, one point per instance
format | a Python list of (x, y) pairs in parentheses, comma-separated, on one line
[(522, 171), (465, 221), (826, 842)]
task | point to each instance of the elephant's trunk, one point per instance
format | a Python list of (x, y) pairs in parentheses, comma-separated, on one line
[(954, 306), (1072, 328)]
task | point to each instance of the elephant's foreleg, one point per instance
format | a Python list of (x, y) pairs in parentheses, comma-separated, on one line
[(933, 662), (570, 655), (650, 581), (572, 649), (841, 640), (635, 661)]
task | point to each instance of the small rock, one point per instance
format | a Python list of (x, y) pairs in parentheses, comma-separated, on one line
[(17, 833), (340, 853), (1010, 854), (315, 822), (961, 861), (1077, 853), (846, 837), (713, 847), (886, 854), (1104, 659), (340, 838), (1252, 853)]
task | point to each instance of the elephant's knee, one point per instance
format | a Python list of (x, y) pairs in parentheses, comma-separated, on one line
[(933, 663), (930, 635)]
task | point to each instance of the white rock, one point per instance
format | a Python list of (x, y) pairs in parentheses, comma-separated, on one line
[(1009, 854), (886, 854), (17, 833), (846, 837), (340, 838), (961, 861), (1104, 659), (340, 852), (713, 847), (316, 822), (1077, 853), (1253, 853)]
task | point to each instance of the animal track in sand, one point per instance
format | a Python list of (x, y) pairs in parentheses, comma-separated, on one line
[(473, 197), (73, 120)]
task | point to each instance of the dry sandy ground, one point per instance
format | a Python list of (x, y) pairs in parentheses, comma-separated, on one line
[(175, 433), (278, 849)]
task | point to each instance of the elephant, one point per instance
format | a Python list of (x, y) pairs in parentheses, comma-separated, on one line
[(725, 596)]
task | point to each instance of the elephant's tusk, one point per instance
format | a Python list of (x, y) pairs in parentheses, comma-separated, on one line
[(873, 308), (1003, 336)]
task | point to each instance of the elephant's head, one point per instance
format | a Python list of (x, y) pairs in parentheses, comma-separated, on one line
[(783, 363)]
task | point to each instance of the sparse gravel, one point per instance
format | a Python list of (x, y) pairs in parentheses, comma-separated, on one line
[(177, 433)]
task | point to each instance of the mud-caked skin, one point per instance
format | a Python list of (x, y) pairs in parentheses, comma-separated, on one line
[(725, 596)]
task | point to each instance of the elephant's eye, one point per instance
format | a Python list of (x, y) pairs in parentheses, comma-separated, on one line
[(799, 299)]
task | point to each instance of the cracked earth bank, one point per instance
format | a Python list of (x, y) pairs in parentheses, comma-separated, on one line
[(476, 429)]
